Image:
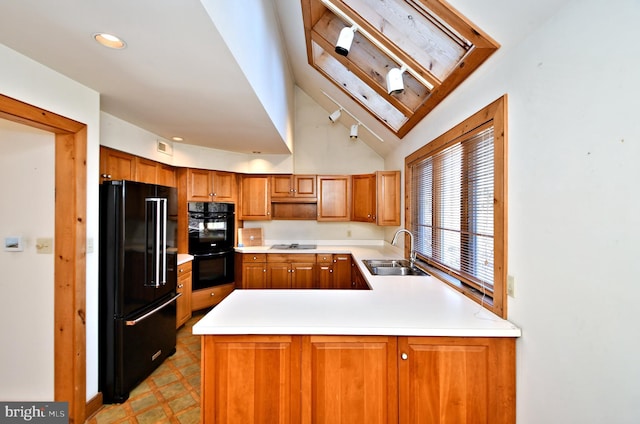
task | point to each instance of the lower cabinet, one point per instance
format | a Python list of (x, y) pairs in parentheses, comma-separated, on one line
[(250, 379), (183, 304), (358, 379), (206, 298)]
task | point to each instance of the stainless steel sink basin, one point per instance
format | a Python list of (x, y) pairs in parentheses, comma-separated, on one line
[(392, 267)]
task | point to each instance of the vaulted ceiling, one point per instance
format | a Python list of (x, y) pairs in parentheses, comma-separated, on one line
[(179, 76)]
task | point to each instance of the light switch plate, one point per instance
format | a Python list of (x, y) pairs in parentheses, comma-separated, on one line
[(44, 245)]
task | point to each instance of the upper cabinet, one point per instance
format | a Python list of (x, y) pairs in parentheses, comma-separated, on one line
[(334, 197), (211, 186), (293, 188), (376, 198), (255, 199), (117, 165)]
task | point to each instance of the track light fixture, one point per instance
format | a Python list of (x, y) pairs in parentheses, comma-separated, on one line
[(345, 39), (353, 135), (395, 84), (335, 115)]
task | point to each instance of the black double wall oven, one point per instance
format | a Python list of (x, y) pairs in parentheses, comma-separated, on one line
[(211, 241)]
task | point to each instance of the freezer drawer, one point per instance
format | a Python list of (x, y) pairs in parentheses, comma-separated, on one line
[(139, 345)]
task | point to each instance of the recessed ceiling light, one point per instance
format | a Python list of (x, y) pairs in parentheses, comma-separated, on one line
[(109, 40), (177, 138)]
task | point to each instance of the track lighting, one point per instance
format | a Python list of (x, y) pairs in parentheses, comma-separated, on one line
[(335, 115), (345, 39), (395, 84), (354, 131)]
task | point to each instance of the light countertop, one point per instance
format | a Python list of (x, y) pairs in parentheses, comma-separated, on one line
[(184, 257), (396, 306)]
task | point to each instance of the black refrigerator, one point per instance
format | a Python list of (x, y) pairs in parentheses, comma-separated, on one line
[(137, 294)]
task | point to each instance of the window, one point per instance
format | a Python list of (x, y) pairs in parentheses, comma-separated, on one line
[(438, 47), (457, 206)]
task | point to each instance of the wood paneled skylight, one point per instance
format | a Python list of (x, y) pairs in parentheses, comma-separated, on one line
[(439, 47)]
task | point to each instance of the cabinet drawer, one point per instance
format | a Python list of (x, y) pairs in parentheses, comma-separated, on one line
[(205, 298), (324, 257), (254, 257), (291, 257), (184, 268)]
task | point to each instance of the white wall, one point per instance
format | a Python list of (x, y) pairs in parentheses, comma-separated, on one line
[(23, 79), (574, 208), (27, 182)]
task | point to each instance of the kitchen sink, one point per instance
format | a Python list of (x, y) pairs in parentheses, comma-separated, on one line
[(392, 267)]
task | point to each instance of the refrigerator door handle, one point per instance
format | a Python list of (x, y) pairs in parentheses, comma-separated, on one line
[(148, 314), (163, 225)]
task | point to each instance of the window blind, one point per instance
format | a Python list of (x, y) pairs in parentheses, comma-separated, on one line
[(453, 208)]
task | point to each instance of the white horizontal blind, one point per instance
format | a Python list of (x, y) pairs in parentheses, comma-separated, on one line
[(452, 208)]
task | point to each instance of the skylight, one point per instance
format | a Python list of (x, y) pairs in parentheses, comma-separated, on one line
[(438, 47)]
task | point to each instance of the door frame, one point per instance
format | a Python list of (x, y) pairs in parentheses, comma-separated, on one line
[(69, 248)]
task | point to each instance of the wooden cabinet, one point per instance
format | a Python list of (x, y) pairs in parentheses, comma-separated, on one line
[(333, 271), (342, 271), (206, 298), (183, 303), (358, 379), (211, 186), (250, 379), (253, 270), (376, 198), (290, 271), (293, 188), (358, 282), (255, 199), (349, 379), (116, 165), (456, 380), (334, 198)]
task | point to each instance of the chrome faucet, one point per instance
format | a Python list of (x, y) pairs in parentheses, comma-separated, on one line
[(412, 254)]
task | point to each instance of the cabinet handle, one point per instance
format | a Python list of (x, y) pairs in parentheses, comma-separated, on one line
[(404, 356)]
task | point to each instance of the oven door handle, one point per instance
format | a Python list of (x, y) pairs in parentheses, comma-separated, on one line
[(211, 254)]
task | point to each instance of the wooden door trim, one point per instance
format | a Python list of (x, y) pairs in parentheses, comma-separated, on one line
[(69, 248)]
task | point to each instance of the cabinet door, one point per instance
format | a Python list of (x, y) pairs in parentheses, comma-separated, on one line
[(358, 281), (146, 171), (255, 203), (349, 379), (363, 207), (324, 276), (279, 275), (334, 198), (199, 185), (302, 275), (251, 379), (456, 380), (166, 175), (388, 197), (254, 275), (341, 271), (116, 165), (304, 186), (281, 186), (183, 304), (224, 186)]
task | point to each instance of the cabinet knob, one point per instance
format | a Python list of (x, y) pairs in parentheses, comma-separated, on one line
[(211, 194), (181, 270), (180, 286), (105, 175), (255, 258), (404, 356), (213, 294)]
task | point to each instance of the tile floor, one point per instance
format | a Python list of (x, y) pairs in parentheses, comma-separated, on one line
[(171, 394)]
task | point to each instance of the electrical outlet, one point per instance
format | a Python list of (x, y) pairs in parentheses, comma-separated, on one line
[(348, 233), (511, 286)]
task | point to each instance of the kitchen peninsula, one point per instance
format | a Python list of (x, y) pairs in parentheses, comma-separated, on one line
[(409, 350)]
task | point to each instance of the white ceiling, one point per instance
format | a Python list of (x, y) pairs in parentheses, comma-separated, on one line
[(177, 76)]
